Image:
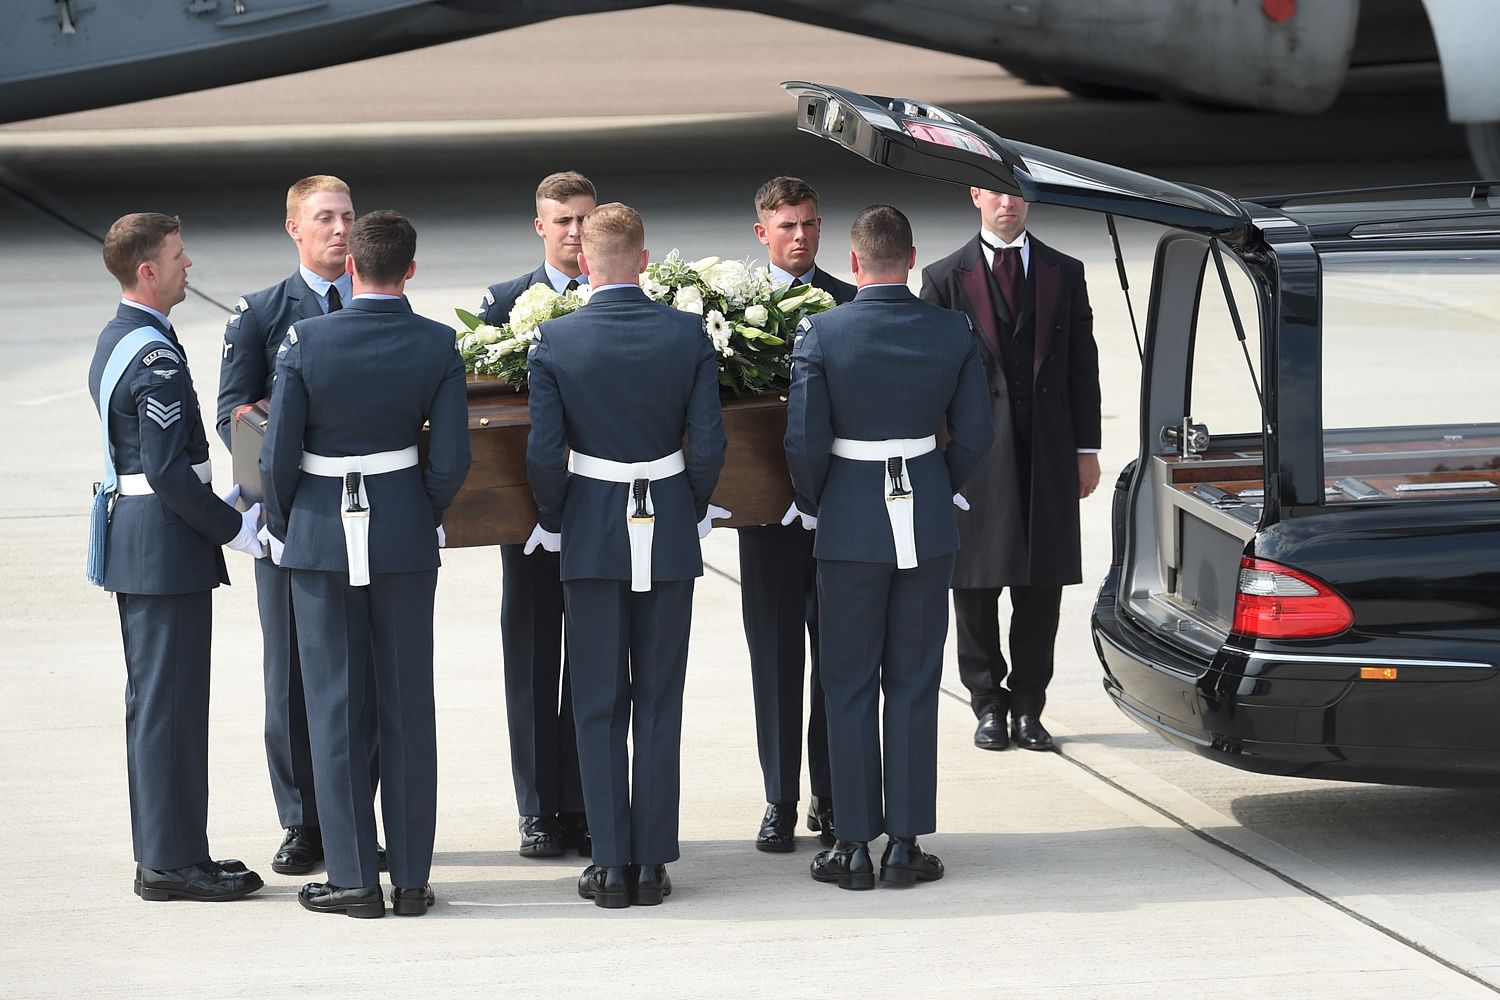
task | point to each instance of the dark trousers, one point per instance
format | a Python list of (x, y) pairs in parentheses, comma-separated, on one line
[(883, 631), (167, 639), (543, 744), (779, 601), (629, 654), (339, 626), (288, 754), (1033, 634)]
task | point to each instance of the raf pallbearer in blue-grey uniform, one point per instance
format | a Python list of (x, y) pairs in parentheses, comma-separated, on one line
[(620, 383), (538, 702), (357, 522), (872, 384), (154, 543), (778, 575), (319, 212), (1029, 306)]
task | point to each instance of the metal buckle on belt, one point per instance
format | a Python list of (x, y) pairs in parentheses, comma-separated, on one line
[(352, 506), (640, 515), (894, 469)]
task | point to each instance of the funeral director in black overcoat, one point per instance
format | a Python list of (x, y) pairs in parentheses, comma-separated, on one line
[(1030, 309), (873, 382), (154, 543), (538, 702), (620, 383), (355, 518), (778, 580), (319, 212)]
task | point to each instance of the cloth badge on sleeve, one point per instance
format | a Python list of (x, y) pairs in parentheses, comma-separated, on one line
[(160, 355), (164, 372), (291, 338), (165, 414), (228, 349), (489, 297)]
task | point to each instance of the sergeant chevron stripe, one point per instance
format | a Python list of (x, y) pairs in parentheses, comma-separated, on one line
[(165, 414)]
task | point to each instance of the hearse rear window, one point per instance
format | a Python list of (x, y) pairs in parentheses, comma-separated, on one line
[(1411, 375)]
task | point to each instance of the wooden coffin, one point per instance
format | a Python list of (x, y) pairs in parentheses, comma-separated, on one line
[(495, 506)]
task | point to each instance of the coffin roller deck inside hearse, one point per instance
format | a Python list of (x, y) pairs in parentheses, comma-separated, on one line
[(1306, 573)]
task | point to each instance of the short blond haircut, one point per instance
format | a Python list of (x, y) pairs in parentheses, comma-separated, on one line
[(612, 231), (564, 185), (309, 186)]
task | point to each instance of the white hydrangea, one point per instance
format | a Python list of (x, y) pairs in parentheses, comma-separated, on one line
[(733, 279), (534, 307), (689, 299)]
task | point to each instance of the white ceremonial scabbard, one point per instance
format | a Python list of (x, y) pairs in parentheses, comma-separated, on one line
[(898, 493), (354, 501), (640, 512)]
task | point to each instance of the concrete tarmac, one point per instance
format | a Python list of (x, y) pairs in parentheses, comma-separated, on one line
[(1117, 868)]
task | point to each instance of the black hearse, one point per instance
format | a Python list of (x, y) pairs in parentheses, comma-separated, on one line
[(1306, 575)]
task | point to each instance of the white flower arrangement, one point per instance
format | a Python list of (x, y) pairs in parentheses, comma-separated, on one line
[(501, 351)]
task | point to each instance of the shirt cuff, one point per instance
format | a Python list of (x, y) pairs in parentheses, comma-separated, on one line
[(1088, 451)]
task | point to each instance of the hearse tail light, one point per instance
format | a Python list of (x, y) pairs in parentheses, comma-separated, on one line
[(1277, 602)]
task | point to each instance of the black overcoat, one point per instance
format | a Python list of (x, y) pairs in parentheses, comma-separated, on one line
[(997, 545)]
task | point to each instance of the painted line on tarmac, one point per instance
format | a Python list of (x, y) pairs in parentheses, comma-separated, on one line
[(254, 135), (1181, 809)]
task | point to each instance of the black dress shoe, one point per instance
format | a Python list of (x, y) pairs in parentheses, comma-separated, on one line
[(362, 901), (991, 732), (649, 884), (778, 828), (541, 837), (300, 852), (820, 819), (575, 833), (607, 887), (847, 863), (1029, 734), (208, 881), (904, 863), (412, 902)]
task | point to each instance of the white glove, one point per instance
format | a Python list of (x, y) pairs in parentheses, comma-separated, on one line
[(550, 541), (960, 502), (233, 496), (248, 540), (809, 521), (442, 537), (271, 542), (714, 514)]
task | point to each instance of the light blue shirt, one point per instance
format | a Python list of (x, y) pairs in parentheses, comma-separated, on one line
[(618, 284), (142, 306), (319, 284), (560, 280), (780, 277), (378, 295)]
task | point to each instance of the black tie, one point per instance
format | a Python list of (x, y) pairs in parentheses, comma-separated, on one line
[(798, 282), (572, 285), (335, 302)]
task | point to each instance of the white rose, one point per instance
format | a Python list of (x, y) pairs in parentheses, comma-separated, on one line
[(486, 334), (688, 299), (757, 316)]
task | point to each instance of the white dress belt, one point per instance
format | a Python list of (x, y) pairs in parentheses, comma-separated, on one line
[(640, 512), (354, 511), (135, 484), (368, 465), (898, 493)]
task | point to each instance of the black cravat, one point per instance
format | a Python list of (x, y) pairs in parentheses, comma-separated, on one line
[(572, 285), (335, 301), (1011, 276)]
